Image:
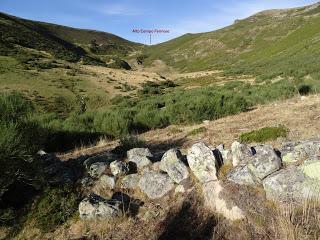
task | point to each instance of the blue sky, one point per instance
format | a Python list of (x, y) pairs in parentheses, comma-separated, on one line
[(122, 16)]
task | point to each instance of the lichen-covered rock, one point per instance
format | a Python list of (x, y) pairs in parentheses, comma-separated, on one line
[(202, 162), (96, 207), (291, 185), (130, 181), (97, 169), (242, 175), (301, 151), (119, 168), (172, 164), (107, 181), (264, 162), (241, 153), (311, 169), (140, 156), (155, 185)]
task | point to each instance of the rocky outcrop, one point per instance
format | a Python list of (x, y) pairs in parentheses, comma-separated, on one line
[(155, 185), (254, 166), (172, 164), (202, 162), (96, 207), (140, 156)]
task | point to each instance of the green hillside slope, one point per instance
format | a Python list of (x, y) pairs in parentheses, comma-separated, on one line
[(18, 36), (275, 42)]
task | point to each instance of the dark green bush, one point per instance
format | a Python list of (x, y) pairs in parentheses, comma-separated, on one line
[(54, 207), (264, 134)]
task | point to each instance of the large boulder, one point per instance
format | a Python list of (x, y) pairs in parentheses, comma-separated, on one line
[(119, 168), (291, 185), (241, 153), (96, 207), (155, 185), (140, 156), (202, 162), (97, 169), (130, 181), (242, 175), (264, 162), (171, 163)]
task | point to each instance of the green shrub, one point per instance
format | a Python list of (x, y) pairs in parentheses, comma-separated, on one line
[(197, 131), (264, 134), (54, 207)]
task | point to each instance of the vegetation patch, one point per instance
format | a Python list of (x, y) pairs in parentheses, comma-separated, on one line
[(264, 134)]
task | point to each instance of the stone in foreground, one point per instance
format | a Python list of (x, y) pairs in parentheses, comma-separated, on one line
[(97, 169), (264, 162), (291, 185), (96, 207), (242, 175), (155, 185), (172, 164), (107, 181), (241, 153), (130, 182), (140, 156), (119, 168), (202, 162)]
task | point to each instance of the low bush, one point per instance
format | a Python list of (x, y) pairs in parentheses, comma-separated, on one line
[(264, 134), (54, 207)]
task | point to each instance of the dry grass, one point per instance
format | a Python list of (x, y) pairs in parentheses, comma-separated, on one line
[(298, 222)]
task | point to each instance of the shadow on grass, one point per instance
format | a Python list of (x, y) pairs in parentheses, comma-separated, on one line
[(192, 221)]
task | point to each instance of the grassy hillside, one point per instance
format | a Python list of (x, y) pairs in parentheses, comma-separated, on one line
[(59, 42), (272, 43)]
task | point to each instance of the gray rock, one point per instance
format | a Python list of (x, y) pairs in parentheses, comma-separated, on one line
[(301, 151), (155, 185), (96, 207), (107, 181), (264, 162), (87, 182), (119, 168), (242, 175), (97, 169), (291, 185), (140, 156), (106, 158), (172, 164), (241, 153), (202, 162), (130, 181)]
